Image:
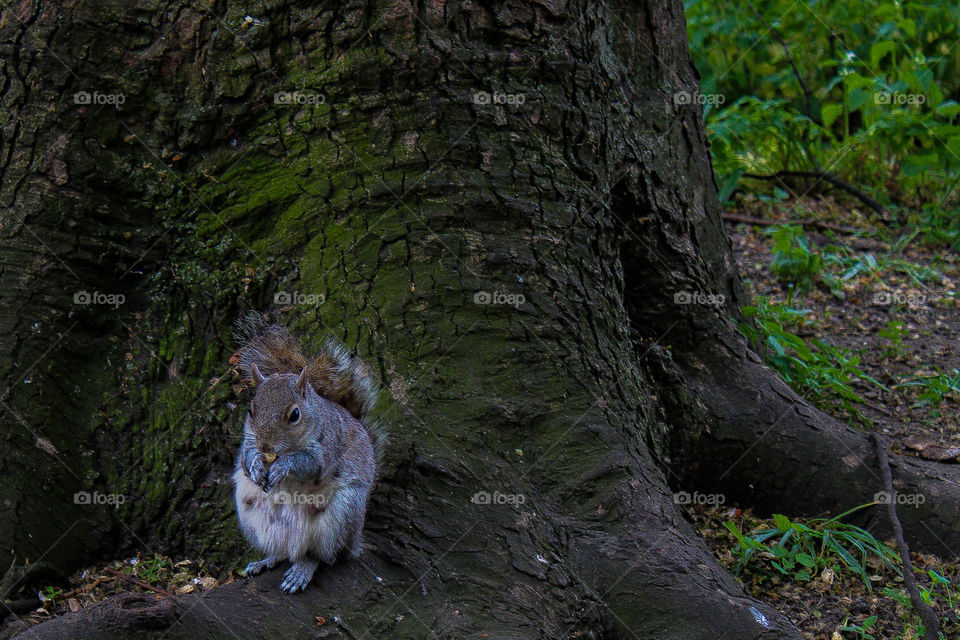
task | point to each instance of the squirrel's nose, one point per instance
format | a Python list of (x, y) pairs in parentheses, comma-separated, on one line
[(266, 447)]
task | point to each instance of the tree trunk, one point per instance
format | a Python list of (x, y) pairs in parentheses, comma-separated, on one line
[(495, 205)]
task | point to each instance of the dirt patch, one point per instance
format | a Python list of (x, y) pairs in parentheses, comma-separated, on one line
[(899, 313), (153, 576), (834, 597), (902, 319)]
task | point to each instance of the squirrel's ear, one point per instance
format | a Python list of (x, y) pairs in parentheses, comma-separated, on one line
[(257, 377), (302, 383)]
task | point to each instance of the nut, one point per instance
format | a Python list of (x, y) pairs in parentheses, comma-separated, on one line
[(269, 457)]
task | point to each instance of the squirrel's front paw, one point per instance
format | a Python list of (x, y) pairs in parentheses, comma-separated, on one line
[(258, 472), (277, 472)]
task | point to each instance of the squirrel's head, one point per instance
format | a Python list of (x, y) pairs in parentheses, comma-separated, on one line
[(280, 412)]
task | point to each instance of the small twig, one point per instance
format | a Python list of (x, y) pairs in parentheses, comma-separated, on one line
[(859, 243), (139, 583), (739, 217), (85, 588), (931, 624), (832, 179)]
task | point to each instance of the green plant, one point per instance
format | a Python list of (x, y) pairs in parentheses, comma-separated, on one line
[(801, 550), (898, 596), (816, 370), (894, 333), (857, 89), (794, 262), (51, 595), (933, 389), (941, 588), (800, 265), (151, 570), (919, 273), (861, 630), (849, 265)]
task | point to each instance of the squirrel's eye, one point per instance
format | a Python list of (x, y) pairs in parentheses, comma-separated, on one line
[(295, 416)]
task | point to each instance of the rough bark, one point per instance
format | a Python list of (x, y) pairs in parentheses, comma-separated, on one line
[(395, 201), (759, 443)]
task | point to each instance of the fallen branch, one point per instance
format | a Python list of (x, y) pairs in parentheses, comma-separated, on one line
[(931, 624), (139, 583), (832, 179)]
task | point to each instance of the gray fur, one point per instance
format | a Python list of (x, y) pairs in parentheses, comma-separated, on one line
[(309, 504)]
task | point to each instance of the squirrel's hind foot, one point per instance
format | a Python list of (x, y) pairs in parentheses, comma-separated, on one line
[(257, 567), (298, 576)]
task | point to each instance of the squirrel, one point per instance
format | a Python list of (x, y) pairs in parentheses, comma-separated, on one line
[(309, 454)]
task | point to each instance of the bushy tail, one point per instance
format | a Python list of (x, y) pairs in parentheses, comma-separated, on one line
[(334, 373)]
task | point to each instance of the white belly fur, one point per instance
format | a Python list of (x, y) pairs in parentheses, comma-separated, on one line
[(291, 529)]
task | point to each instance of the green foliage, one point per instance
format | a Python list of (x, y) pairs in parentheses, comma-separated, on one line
[(794, 262), (933, 389), (861, 630), (152, 570), (868, 99), (800, 264), (816, 370), (51, 595), (894, 333), (801, 550), (941, 589)]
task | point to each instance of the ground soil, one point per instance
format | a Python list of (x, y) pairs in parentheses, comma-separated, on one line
[(915, 288)]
